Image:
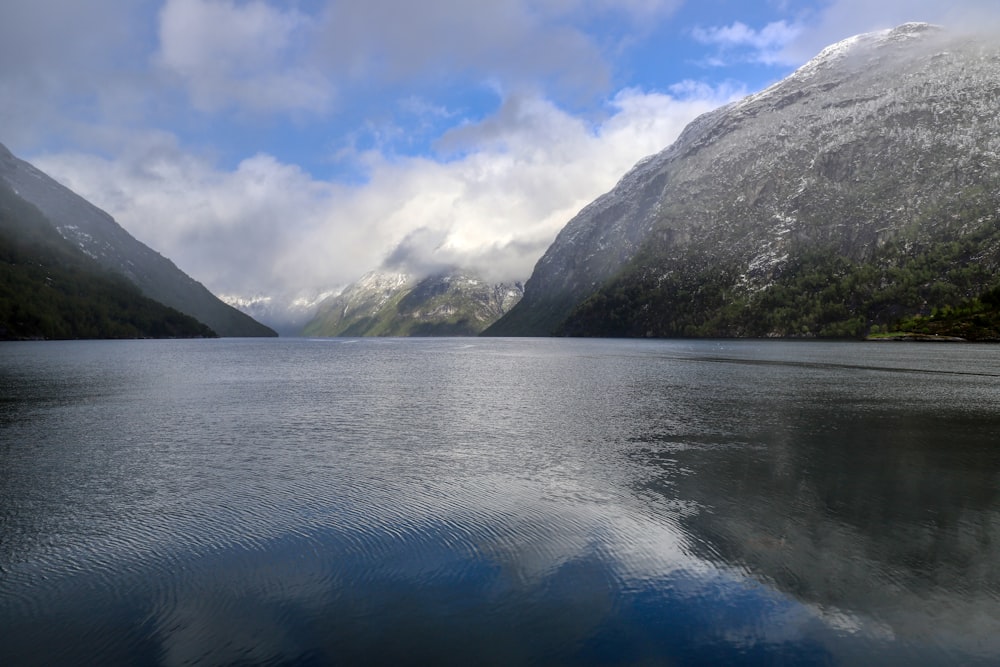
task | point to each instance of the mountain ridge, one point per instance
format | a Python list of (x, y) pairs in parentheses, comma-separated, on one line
[(97, 234), (50, 289), (389, 303), (870, 158)]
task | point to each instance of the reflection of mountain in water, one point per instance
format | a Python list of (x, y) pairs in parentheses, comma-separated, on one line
[(850, 503)]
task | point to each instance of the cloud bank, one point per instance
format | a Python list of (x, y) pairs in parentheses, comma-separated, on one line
[(510, 184)]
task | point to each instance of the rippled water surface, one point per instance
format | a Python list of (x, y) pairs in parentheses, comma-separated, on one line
[(477, 501)]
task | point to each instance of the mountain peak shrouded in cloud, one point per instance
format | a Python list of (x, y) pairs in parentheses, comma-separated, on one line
[(287, 148), (268, 227)]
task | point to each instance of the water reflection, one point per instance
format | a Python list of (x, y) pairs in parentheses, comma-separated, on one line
[(499, 502), (870, 495)]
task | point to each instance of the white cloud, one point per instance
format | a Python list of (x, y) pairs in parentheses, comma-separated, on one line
[(240, 55), (793, 42), (269, 227), (838, 19), (68, 67), (741, 42)]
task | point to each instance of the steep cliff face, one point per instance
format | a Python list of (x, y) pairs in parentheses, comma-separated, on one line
[(397, 304), (98, 235), (875, 165)]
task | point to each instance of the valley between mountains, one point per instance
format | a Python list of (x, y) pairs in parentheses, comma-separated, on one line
[(860, 196)]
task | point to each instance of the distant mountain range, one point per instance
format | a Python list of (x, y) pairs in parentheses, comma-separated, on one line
[(95, 279), (398, 304), (863, 188)]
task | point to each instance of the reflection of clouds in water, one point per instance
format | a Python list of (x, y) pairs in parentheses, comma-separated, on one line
[(872, 558), (519, 550), (495, 552), (659, 521), (868, 493), (853, 624), (501, 562), (516, 562)]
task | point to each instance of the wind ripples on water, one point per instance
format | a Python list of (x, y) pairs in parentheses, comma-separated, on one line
[(505, 501)]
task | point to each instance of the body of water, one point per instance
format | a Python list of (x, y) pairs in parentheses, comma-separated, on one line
[(499, 501)]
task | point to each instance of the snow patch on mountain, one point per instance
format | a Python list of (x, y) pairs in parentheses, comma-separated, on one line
[(882, 140)]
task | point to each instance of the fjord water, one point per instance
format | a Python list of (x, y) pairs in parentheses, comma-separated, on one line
[(499, 501)]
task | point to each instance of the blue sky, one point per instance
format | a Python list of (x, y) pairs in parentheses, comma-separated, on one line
[(288, 147)]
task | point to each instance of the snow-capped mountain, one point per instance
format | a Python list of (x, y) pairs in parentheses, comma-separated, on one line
[(399, 304), (863, 186)]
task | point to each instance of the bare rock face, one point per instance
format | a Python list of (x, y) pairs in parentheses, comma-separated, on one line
[(864, 185)]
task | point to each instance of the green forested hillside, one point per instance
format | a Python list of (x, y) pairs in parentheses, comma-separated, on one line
[(820, 292), (49, 289), (973, 320)]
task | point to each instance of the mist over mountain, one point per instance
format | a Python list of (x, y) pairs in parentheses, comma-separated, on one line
[(99, 237), (862, 188), (285, 314), (50, 289), (386, 303)]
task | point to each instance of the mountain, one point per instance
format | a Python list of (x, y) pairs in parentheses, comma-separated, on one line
[(398, 304), (50, 289), (862, 188), (98, 235)]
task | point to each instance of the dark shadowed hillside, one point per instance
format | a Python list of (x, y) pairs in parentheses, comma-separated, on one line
[(97, 235), (50, 289)]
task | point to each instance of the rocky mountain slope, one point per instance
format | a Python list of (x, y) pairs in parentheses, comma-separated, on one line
[(49, 289), (863, 187), (97, 234), (397, 304)]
